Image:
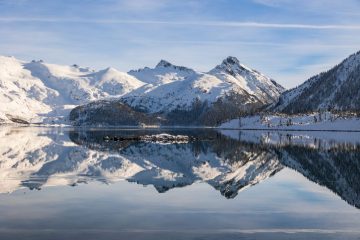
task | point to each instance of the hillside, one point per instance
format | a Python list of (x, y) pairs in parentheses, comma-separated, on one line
[(38, 92), (182, 96), (336, 89)]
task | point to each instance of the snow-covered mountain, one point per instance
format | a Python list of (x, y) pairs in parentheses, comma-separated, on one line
[(172, 87), (265, 89), (164, 72), (336, 89), (164, 83), (182, 96), (39, 92)]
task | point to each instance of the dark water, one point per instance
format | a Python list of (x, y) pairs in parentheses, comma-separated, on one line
[(110, 184)]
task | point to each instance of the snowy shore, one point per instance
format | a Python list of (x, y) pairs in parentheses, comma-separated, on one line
[(310, 122)]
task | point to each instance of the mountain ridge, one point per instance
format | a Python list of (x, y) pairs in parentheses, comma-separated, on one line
[(43, 93), (183, 96), (334, 90), (38, 92)]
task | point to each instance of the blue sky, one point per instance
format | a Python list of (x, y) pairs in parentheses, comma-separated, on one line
[(287, 40)]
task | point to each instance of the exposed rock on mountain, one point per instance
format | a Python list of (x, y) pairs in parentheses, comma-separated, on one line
[(182, 96), (102, 112), (336, 89)]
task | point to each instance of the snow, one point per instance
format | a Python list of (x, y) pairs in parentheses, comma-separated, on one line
[(39, 92), (179, 94), (165, 138), (172, 87), (163, 73), (325, 122), (44, 93), (253, 82), (343, 71)]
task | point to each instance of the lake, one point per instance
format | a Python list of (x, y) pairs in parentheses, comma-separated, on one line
[(64, 183)]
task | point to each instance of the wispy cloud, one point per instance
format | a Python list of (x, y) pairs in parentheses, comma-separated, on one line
[(185, 23), (277, 37), (138, 5), (322, 6)]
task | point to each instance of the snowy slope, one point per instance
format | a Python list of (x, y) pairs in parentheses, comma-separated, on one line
[(45, 93), (38, 92), (255, 83), (325, 121), (182, 94), (164, 72), (177, 95), (172, 87), (336, 89), (21, 94), (164, 82)]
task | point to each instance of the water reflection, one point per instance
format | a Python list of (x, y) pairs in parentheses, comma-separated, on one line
[(228, 161)]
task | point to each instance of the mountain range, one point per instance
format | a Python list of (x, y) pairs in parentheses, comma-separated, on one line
[(229, 91), (41, 93), (38, 92)]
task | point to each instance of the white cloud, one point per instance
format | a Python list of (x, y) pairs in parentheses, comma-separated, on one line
[(138, 5), (276, 46), (322, 7), (272, 3), (186, 23)]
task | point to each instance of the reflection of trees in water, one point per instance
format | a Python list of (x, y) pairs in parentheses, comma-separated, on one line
[(335, 165), (337, 168), (210, 149), (227, 164)]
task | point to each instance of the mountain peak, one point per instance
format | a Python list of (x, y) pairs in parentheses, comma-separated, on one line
[(232, 66), (111, 69), (230, 61), (164, 63)]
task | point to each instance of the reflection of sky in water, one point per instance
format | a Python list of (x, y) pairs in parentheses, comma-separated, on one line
[(284, 206), (285, 203)]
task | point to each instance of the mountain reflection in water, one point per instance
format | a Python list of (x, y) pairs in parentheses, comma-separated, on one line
[(229, 161)]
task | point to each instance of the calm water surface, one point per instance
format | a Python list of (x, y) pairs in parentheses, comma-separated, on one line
[(110, 184)]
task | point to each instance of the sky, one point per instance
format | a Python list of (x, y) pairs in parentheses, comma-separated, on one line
[(286, 40)]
